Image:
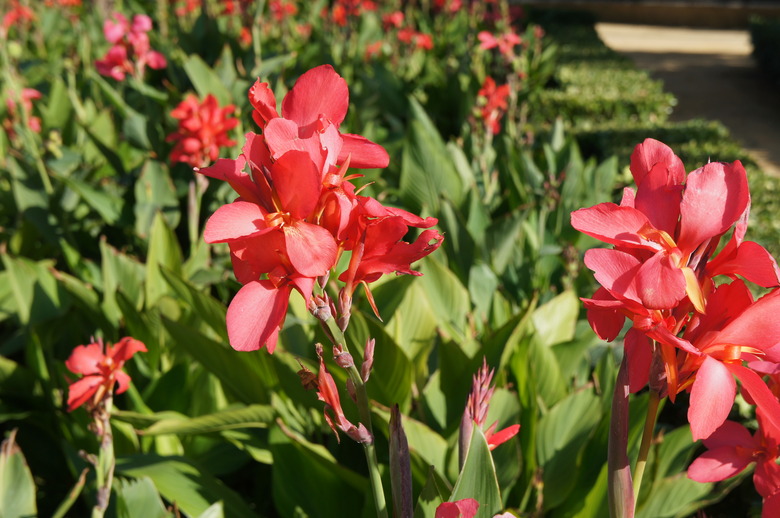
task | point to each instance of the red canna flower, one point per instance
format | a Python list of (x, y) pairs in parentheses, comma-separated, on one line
[(203, 130), (504, 42), (28, 96), (731, 449), (492, 102), (100, 371)]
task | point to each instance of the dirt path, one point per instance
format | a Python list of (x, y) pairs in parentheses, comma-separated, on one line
[(713, 77)]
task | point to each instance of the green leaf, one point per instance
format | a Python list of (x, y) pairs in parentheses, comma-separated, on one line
[(206, 80), (36, 292), (206, 307), (252, 416), (17, 488), (109, 207), (139, 499), (164, 251), (556, 320), (430, 497), (247, 374), (123, 272), (154, 193), (427, 171), (215, 511), (447, 297), (671, 496), (302, 468), (179, 480), (478, 479), (562, 434)]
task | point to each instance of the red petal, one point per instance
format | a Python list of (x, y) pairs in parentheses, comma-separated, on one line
[(750, 260), (281, 135), (758, 391), (232, 171), (255, 315), (264, 103), (658, 197), (652, 152), (615, 270), (320, 91), (310, 248), (297, 182), (612, 224), (639, 353), (715, 197), (712, 397), (85, 359), (718, 464), (363, 153), (125, 349), (660, 284), (758, 326), (604, 316), (731, 434), (237, 220), (503, 436), (123, 379), (82, 390)]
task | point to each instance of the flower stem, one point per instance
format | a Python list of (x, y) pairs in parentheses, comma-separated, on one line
[(647, 439), (104, 467), (337, 335)]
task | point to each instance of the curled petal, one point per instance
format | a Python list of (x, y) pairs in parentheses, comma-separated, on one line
[(263, 101), (234, 221), (652, 152), (81, 391), (613, 224), (318, 92), (125, 349), (363, 153)]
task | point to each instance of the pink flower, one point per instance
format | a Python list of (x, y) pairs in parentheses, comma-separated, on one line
[(131, 52), (100, 371), (28, 96), (203, 130)]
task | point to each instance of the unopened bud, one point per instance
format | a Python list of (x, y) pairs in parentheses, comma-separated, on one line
[(318, 349), (345, 309), (342, 358), (322, 280), (320, 308), (360, 434), (368, 360)]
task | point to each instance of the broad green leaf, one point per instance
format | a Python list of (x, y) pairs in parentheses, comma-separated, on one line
[(164, 251), (477, 479), (562, 434), (252, 416), (482, 284), (555, 320), (215, 511), (206, 307), (139, 499), (154, 193), (37, 294), (205, 80), (302, 468), (109, 207), (179, 480), (427, 171), (672, 496), (447, 297), (430, 497), (17, 488), (248, 375), (123, 272), (413, 324), (673, 452)]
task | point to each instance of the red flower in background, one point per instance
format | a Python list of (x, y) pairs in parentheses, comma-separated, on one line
[(100, 371), (17, 15), (281, 9), (28, 96), (492, 104), (131, 52), (203, 130)]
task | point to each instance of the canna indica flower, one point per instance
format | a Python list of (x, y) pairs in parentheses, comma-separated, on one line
[(131, 51), (101, 369), (202, 132), (492, 104)]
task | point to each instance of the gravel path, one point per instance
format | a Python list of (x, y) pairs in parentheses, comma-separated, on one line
[(713, 77)]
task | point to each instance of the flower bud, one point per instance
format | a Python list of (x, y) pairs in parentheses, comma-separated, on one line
[(360, 434), (342, 358), (351, 390), (368, 360)]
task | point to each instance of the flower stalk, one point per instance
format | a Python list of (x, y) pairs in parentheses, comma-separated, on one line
[(647, 440)]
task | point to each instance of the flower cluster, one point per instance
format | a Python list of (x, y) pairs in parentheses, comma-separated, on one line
[(492, 104), (101, 368), (505, 43), (18, 15), (131, 51), (26, 98), (688, 332), (345, 10), (298, 212), (203, 130)]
